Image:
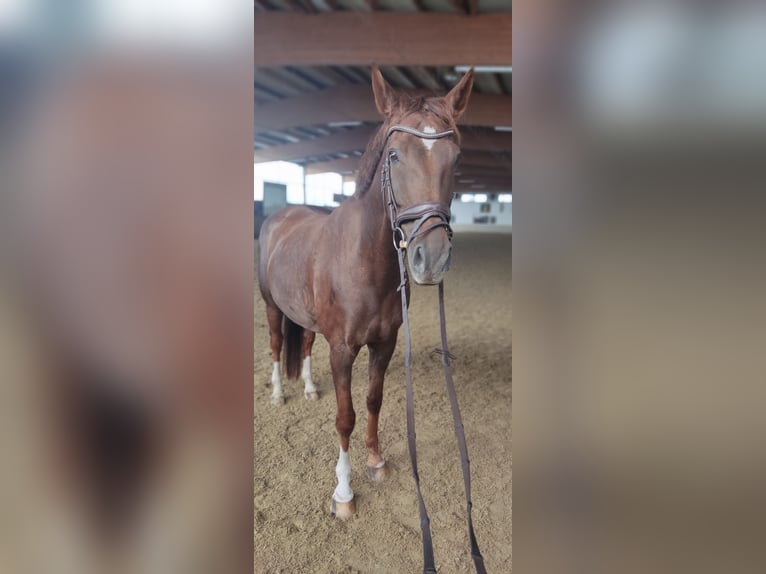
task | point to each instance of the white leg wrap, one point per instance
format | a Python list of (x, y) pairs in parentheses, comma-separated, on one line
[(276, 382), (308, 384), (343, 492)]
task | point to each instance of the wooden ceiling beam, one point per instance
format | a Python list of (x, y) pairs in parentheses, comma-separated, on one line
[(480, 158), (309, 6), (426, 78), (484, 174), (396, 77), (385, 38), (355, 103), (342, 103), (345, 165), (294, 4), (483, 185), (340, 142), (486, 140), (268, 78)]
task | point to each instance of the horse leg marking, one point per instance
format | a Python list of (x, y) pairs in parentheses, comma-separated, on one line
[(343, 492), (341, 360), (276, 382), (309, 389), (274, 317), (342, 504)]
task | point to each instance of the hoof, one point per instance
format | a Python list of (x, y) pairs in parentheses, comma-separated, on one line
[(342, 510), (277, 401), (377, 474), (312, 396)]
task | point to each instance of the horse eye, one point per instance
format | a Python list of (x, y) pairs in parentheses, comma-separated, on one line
[(393, 155), (457, 160)]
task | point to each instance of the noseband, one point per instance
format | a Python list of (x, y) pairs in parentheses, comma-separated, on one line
[(420, 212)]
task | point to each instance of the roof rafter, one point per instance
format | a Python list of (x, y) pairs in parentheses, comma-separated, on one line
[(345, 141), (355, 103), (385, 38)]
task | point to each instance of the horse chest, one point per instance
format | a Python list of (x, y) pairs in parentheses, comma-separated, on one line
[(359, 316), (379, 327)]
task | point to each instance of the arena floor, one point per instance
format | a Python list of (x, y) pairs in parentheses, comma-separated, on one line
[(296, 446)]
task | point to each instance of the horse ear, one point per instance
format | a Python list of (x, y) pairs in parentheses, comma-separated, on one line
[(384, 94), (458, 96)]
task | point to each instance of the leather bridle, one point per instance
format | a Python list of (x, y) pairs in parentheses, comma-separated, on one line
[(420, 213)]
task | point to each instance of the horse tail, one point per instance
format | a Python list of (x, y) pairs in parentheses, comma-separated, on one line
[(293, 345)]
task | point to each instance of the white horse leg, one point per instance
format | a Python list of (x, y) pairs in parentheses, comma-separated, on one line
[(276, 382), (343, 505), (309, 389)]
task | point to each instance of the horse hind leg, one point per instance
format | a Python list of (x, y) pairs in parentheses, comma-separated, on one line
[(309, 389), (274, 317), (380, 357)]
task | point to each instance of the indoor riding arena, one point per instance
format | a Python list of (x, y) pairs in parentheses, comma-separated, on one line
[(296, 445), (315, 112)]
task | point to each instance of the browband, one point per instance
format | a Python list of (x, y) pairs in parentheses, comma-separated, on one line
[(418, 133)]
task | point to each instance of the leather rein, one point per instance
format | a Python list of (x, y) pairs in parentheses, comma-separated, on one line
[(420, 213)]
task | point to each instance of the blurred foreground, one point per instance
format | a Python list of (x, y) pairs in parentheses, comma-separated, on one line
[(639, 318), (125, 288)]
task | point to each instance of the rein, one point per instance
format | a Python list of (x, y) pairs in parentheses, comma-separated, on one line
[(419, 214)]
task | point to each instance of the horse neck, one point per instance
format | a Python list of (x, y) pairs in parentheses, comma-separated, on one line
[(377, 222)]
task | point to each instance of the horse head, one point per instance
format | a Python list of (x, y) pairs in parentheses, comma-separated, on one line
[(418, 161)]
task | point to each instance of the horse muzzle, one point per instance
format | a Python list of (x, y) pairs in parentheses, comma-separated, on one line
[(429, 258), (428, 242)]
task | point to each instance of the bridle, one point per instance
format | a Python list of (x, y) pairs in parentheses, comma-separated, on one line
[(420, 213)]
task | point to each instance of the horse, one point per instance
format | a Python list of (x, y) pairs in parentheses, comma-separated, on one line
[(337, 272)]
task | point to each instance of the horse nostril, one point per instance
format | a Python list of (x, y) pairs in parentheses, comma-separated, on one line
[(417, 259)]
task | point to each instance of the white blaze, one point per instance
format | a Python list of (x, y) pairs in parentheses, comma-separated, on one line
[(343, 492), (426, 142)]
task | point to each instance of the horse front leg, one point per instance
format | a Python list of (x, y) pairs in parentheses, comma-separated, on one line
[(380, 357), (341, 360)]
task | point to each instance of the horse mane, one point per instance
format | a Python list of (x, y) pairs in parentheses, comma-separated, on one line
[(407, 103)]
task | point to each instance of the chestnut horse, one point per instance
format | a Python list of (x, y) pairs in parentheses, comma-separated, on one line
[(337, 273)]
